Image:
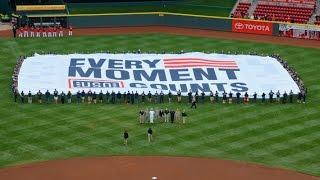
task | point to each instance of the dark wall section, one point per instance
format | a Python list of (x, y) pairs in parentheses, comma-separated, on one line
[(113, 21), (149, 20), (275, 29), (197, 22)]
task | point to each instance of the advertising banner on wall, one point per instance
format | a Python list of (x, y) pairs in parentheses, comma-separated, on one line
[(300, 31), (253, 27), (155, 73)]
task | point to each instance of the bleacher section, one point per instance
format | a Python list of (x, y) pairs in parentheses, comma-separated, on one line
[(283, 11), (242, 10)]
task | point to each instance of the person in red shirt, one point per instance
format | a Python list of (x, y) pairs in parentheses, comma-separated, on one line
[(25, 31), (49, 29), (37, 31), (70, 31), (60, 31), (44, 32), (31, 31), (54, 31), (20, 32)]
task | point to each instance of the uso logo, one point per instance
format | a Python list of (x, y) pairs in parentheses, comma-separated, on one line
[(254, 27)]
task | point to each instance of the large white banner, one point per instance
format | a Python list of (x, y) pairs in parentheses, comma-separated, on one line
[(155, 73)]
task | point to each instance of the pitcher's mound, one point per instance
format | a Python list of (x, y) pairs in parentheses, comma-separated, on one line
[(147, 168)]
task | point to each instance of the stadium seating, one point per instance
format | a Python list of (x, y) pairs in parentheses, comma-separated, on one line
[(241, 10), (285, 12)]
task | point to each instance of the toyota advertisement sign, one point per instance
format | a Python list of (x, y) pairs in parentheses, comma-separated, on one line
[(253, 27)]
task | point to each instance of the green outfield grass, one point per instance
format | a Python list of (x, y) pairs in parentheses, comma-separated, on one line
[(201, 7), (271, 134)]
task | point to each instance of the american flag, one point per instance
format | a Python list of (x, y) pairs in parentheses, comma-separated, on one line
[(177, 63)]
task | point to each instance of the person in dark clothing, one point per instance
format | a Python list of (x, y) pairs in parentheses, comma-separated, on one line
[(22, 96), (194, 102), (132, 97), (255, 97), (113, 97), (29, 97), (107, 97), (128, 97), (118, 97), (78, 97), (238, 94), (291, 96), (190, 96), (143, 97), (125, 137), (172, 113), (299, 98), (149, 96), (263, 97), (224, 97), (246, 98), (100, 96), (271, 96), (230, 97), (156, 97), (39, 94), (47, 95), (184, 116), (161, 97), (169, 96), (89, 97), (69, 97), (304, 96), (83, 96), (203, 97), (15, 94), (62, 97), (179, 96), (124, 97), (196, 97), (14, 31), (278, 96), (136, 97), (216, 97), (284, 97), (150, 132), (211, 97), (94, 97)]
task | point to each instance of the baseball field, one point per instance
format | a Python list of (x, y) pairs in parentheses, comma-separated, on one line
[(275, 135)]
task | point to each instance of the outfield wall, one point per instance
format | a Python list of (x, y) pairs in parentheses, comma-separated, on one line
[(126, 20), (170, 19), (174, 20)]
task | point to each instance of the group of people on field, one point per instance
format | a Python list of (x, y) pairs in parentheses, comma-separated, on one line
[(42, 31), (160, 115)]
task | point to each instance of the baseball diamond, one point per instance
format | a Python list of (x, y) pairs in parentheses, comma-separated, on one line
[(181, 89)]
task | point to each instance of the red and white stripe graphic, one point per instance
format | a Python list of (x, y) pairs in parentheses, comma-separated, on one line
[(176, 63)]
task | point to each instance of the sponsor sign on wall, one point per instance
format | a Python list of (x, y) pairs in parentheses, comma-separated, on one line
[(253, 27), (154, 72)]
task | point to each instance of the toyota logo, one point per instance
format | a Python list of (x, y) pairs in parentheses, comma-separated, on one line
[(239, 25)]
